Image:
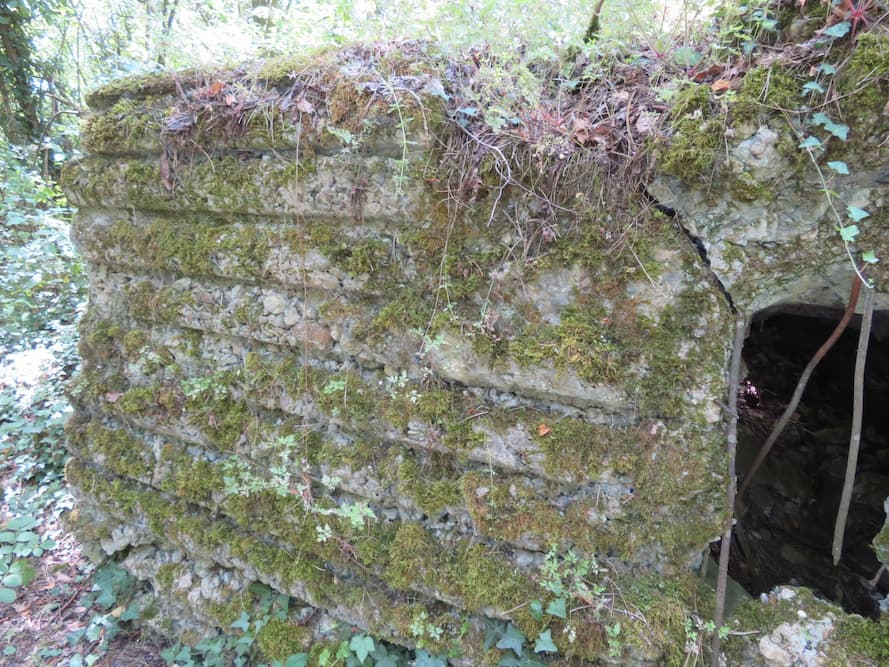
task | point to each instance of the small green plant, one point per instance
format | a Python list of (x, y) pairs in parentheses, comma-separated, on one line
[(396, 106), (566, 577), (243, 477), (239, 648), (198, 387), (423, 630), (612, 636), (18, 542), (334, 386), (509, 638), (570, 577), (697, 633), (111, 599)]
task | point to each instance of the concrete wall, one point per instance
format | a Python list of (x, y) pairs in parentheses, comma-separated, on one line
[(340, 344)]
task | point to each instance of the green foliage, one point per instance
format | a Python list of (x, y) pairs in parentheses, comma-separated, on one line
[(41, 278), (110, 600), (18, 542), (816, 146), (18, 68), (264, 631), (697, 635), (41, 286), (568, 576)]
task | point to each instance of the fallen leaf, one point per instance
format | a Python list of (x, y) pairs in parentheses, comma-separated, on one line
[(603, 135), (581, 131), (543, 429), (302, 104), (720, 85), (215, 88), (647, 122), (713, 70)]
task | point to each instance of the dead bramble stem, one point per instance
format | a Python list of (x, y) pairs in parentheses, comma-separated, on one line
[(732, 440), (857, 414)]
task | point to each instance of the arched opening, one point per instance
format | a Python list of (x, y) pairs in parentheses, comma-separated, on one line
[(786, 518)]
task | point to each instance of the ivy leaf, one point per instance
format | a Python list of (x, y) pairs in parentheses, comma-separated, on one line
[(7, 595), (810, 142), (813, 87), (21, 523), (849, 232), (838, 130), (545, 643), (820, 118), (494, 630), (557, 608), (20, 574), (839, 167), (827, 68), (536, 610), (870, 257), (362, 645), (297, 660), (512, 639), (857, 214), (131, 613), (425, 659), (687, 56), (838, 30), (243, 622)]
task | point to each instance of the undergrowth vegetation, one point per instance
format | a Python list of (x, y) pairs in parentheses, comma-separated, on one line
[(42, 287)]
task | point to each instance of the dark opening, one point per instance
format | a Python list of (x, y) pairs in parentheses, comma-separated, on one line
[(785, 530)]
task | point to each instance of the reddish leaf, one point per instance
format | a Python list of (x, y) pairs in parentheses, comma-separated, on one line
[(713, 70), (215, 88)]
